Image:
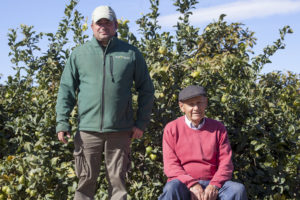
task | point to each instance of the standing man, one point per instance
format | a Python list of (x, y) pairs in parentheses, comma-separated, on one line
[(99, 76), (197, 154)]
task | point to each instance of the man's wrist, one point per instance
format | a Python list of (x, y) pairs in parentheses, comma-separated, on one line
[(216, 187), (192, 185)]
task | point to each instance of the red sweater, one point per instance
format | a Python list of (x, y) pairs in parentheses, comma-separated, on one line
[(193, 155)]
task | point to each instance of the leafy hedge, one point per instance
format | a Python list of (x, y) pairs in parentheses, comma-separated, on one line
[(260, 111)]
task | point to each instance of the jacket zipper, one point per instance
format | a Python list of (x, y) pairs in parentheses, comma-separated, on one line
[(103, 85), (111, 68)]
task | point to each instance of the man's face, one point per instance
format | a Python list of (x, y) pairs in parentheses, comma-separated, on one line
[(194, 109), (104, 30)]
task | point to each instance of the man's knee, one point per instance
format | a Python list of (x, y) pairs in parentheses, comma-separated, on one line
[(234, 190), (175, 190), (240, 190), (174, 185)]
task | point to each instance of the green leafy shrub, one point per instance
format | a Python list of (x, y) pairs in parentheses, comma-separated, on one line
[(261, 112)]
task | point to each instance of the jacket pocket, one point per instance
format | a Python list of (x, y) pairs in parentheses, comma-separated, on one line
[(111, 67)]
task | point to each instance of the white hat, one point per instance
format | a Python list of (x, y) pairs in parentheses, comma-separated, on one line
[(103, 12)]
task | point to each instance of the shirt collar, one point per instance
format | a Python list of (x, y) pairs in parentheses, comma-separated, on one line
[(190, 124)]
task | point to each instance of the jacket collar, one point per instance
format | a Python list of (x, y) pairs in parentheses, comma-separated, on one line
[(112, 42)]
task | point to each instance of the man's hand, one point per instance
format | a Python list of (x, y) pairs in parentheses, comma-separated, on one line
[(211, 193), (137, 133), (197, 192), (61, 136)]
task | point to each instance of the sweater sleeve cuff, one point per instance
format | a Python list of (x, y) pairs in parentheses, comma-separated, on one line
[(190, 184), (218, 185)]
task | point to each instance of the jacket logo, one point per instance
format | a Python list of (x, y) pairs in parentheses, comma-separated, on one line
[(123, 57)]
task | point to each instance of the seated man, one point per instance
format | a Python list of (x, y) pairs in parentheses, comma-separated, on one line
[(197, 154)]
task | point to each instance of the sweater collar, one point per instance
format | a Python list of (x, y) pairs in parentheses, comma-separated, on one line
[(190, 124)]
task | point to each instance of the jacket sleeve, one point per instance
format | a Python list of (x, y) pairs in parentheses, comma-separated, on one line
[(145, 89), (172, 166), (66, 98), (225, 168)]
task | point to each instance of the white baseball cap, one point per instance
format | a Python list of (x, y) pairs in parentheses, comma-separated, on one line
[(103, 12)]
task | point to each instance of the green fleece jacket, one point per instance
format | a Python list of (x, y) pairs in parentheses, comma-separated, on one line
[(100, 81)]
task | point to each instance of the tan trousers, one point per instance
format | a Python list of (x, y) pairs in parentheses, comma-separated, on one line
[(89, 147)]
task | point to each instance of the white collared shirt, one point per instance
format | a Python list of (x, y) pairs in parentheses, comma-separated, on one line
[(190, 124)]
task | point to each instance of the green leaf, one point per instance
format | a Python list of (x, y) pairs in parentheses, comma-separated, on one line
[(258, 147), (54, 161)]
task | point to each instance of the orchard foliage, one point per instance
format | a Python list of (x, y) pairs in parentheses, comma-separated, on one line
[(260, 111)]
